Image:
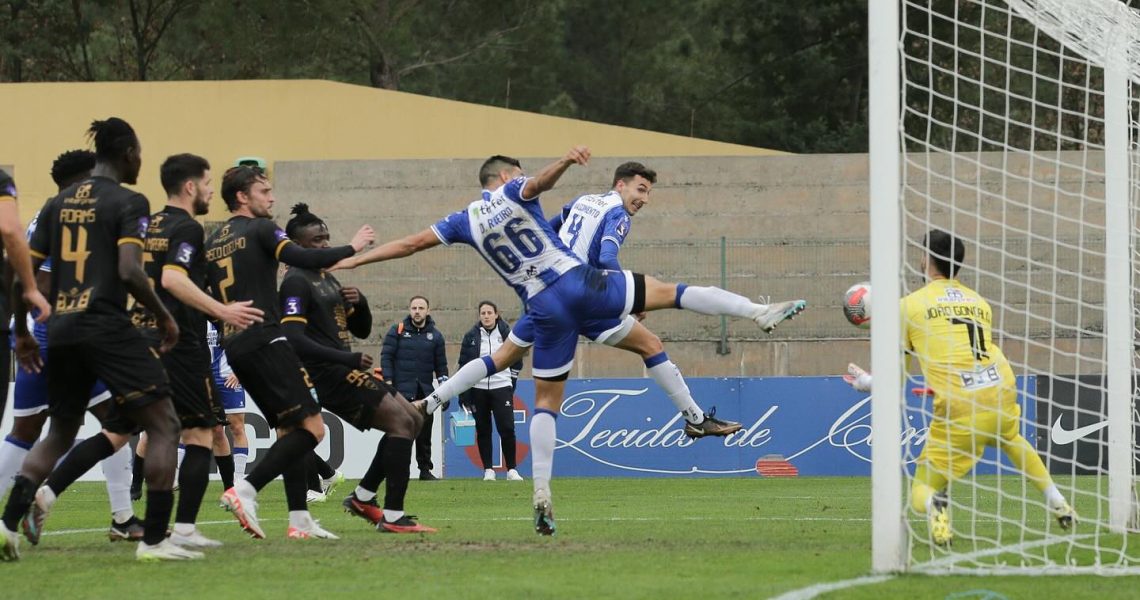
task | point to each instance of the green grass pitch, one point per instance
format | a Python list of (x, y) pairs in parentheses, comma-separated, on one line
[(617, 538)]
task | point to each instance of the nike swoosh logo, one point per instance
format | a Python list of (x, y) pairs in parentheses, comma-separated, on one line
[(1063, 436)]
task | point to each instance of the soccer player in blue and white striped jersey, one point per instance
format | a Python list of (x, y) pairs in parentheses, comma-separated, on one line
[(565, 297)]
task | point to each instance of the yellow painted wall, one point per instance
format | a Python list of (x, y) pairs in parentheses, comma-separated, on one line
[(294, 120)]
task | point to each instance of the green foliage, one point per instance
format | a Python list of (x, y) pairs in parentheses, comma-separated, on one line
[(786, 75)]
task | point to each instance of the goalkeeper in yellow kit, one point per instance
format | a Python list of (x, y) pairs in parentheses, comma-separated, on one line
[(947, 327)]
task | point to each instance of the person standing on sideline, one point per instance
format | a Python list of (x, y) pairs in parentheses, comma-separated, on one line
[(412, 357), (493, 396)]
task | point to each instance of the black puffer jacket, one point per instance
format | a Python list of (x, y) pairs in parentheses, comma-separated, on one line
[(413, 356), (472, 345)]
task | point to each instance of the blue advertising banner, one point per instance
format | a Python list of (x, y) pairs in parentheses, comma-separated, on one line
[(792, 426)]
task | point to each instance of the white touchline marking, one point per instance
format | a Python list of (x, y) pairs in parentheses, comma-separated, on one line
[(812, 591)]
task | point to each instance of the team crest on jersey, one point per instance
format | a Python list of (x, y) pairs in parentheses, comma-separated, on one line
[(280, 235), (185, 254), (430, 336), (292, 305), (144, 223), (954, 295)]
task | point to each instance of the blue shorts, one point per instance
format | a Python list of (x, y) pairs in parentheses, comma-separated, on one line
[(30, 394), (584, 301), (233, 401)]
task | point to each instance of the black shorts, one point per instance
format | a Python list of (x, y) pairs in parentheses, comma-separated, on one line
[(191, 382), (192, 387), (119, 357), (273, 376), (350, 394)]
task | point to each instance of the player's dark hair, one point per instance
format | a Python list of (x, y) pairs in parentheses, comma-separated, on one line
[(491, 167), (113, 138), (417, 296), (178, 169), (629, 170), (239, 179), (946, 251), (488, 303), (301, 218), (72, 166)]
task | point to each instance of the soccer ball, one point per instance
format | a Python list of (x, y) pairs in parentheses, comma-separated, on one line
[(857, 305)]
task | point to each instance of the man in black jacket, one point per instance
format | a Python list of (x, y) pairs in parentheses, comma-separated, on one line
[(412, 357)]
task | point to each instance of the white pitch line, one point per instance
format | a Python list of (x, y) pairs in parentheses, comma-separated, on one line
[(812, 591), (104, 529)]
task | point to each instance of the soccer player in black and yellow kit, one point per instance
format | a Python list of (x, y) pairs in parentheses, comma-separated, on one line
[(243, 257), (93, 231), (320, 317), (948, 328)]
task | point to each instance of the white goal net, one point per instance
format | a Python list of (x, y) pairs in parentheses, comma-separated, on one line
[(1015, 129)]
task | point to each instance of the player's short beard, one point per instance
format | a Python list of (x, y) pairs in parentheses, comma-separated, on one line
[(201, 205)]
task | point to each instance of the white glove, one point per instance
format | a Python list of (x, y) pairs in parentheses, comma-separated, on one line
[(857, 378)]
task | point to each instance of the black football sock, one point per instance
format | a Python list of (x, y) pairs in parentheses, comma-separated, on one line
[(137, 476), (19, 501), (226, 470), (397, 457), (158, 507), (375, 473), (80, 460), (192, 481), (312, 480), (323, 468), (289, 449), (295, 487)]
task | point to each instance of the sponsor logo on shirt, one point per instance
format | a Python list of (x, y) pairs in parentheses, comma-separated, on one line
[(280, 235), (185, 254), (292, 305)]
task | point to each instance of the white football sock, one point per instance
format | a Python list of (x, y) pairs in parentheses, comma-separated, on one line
[(669, 377), (241, 456), (715, 301), (12, 455), (392, 516), (364, 495), (464, 379), (1053, 497), (184, 528), (543, 431), (117, 470), (299, 519)]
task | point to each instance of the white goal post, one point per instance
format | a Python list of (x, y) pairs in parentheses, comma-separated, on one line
[(1013, 125)]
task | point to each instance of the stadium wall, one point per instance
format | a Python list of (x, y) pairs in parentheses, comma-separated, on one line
[(796, 226), (293, 120)]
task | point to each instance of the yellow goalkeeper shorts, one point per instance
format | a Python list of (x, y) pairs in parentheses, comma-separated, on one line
[(953, 447)]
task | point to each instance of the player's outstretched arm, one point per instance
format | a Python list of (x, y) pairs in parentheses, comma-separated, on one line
[(405, 246), (545, 179), (238, 314), (138, 285), (322, 258)]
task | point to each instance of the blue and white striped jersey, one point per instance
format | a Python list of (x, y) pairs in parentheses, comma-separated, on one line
[(591, 221), (46, 265), (512, 235)]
